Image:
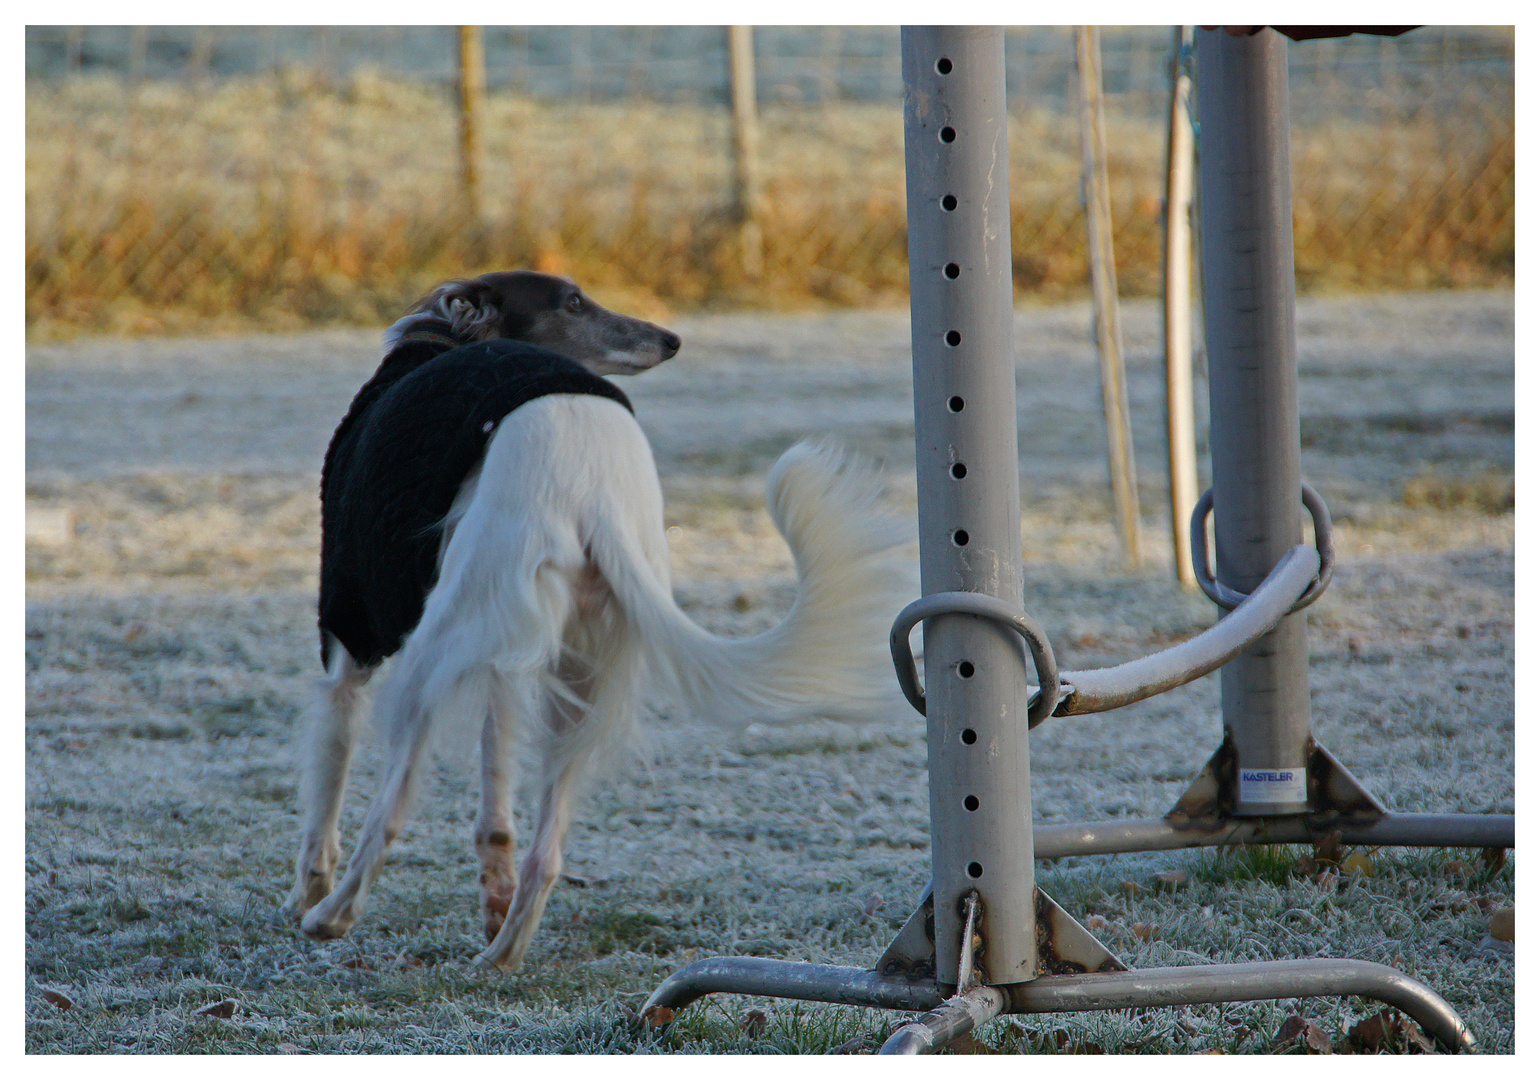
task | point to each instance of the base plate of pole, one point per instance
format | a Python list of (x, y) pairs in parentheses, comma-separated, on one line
[(946, 1018)]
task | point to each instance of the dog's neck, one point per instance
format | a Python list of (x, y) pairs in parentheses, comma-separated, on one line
[(421, 326)]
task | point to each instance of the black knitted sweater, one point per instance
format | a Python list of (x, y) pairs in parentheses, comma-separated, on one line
[(413, 434)]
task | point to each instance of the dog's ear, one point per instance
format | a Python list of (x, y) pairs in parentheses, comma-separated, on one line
[(471, 307)]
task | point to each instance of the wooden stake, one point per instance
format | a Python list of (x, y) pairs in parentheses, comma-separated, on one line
[(1104, 290), (748, 190), (1181, 442), (473, 93)]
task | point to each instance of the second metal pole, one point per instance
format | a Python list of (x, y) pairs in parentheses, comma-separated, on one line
[(1248, 276), (969, 495)]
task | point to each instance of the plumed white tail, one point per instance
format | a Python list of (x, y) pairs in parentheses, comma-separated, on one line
[(829, 656)]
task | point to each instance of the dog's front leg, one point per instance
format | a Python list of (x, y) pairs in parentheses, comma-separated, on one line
[(335, 915), (326, 750), (494, 823)]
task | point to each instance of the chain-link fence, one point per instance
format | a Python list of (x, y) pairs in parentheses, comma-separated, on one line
[(183, 176)]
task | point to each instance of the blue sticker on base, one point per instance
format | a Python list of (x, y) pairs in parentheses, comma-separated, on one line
[(1272, 785)]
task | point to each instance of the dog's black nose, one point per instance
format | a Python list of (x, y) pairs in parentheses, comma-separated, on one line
[(670, 344)]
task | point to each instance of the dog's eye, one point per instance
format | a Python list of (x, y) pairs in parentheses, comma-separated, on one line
[(575, 302)]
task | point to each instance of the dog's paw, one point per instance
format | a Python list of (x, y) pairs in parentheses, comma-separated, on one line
[(490, 958), (322, 926), (306, 894)]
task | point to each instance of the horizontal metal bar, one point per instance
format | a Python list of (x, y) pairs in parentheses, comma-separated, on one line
[(1263, 980), (1158, 834), (787, 979), (952, 1019), (1110, 688)]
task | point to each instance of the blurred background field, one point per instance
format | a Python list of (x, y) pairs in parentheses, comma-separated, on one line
[(205, 178)]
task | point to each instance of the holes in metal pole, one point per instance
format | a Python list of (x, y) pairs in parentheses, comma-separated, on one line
[(969, 736), (954, 404), (965, 669), (959, 471), (948, 134), (960, 538), (953, 338), (971, 803), (949, 203), (975, 870), (943, 66), (952, 270)]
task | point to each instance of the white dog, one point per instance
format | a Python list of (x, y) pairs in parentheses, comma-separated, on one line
[(521, 571)]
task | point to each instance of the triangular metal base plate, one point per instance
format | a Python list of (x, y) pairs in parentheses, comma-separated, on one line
[(1334, 794), (1064, 947)]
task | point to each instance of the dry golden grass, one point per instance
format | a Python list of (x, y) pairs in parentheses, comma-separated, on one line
[(281, 201)]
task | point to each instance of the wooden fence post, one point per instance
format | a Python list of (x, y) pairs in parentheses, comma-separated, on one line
[(473, 93), (748, 189), (1104, 291), (1181, 441)]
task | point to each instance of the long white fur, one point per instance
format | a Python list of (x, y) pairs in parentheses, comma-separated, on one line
[(553, 609)]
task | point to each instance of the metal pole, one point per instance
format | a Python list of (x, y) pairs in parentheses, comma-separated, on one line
[(748, 189), (1104, 292), (1181, 442), (968, 487), (1248, 277)]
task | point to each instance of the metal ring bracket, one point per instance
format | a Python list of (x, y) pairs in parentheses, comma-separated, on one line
[(1229, 598), (987, 607)]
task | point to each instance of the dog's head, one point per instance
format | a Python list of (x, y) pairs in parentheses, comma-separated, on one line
[(548, 311)]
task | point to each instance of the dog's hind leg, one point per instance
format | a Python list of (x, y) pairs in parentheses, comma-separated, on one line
[(325, 753), (540, 870), (494, 823), (590, 715)]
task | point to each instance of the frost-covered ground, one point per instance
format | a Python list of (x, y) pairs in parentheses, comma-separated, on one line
[(170, 643)]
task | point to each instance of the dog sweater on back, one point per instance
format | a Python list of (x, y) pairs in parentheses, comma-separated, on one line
[(412, 435)]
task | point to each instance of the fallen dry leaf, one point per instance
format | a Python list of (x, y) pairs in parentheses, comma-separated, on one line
[(55, 998), (1359, 863), (1494, 858), (1096, 922), (220, 1010), (1501, 926), (291, 1048), (1297, 1031), (753, 1022), (1144, 931), (1388, 1030), (658, 1016), (1328, 848)]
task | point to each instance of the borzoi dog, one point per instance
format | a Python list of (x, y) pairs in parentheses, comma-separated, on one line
[(491, 515)]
